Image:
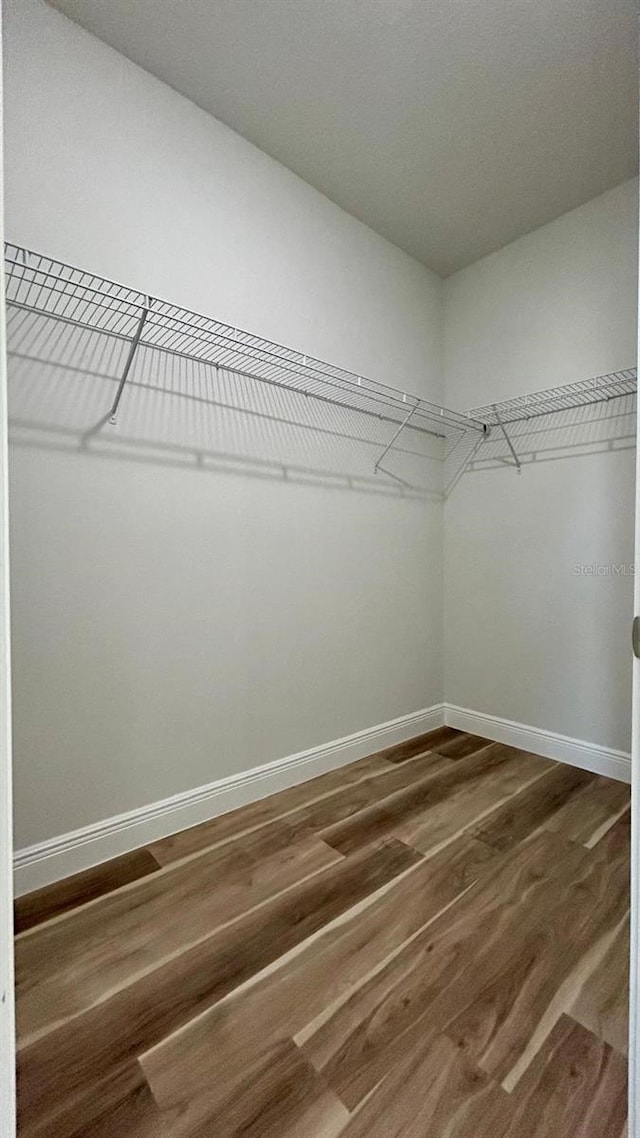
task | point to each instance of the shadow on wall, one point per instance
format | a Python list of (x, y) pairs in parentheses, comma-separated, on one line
[(176, 410)]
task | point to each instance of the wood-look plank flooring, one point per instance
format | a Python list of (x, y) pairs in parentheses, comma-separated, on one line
[(431, 941)]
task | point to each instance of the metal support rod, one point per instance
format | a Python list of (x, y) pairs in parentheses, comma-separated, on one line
[(127, 367), (392, 440), (509, 443)]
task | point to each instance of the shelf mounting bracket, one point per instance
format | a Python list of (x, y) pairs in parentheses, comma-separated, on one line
[(509, 443), (133, 347), (392, 440), (111, 415)]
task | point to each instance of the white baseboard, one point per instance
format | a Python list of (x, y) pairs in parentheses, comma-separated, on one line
[(70, 853), (549, 744), (56, 858)]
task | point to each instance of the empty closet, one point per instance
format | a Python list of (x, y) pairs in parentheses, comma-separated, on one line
[(322, 380)]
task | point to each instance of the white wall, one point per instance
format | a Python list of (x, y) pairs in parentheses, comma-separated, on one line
[(173, 625), (527, 638)]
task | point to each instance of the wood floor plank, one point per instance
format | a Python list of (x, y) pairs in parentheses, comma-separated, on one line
[(301, 810), (418, 745), (524, 814), (282, 1098), (461, 746), (407, 805), (210, 1056), (588, 814), (488, 969), (523, 994), (575, 1088), (314, 819), (35, 908), (135, 1017), (123, 1095), (136, 1116), (602, 1005), (65, 967), (434, 1092), (471, 802), (235, 822)]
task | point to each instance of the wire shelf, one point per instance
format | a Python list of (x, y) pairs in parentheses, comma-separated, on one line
[(203, 385), (50, 288), (583, 393)]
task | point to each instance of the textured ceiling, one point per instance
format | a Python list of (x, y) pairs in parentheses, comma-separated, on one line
[(449, 126)]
